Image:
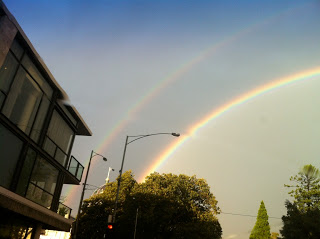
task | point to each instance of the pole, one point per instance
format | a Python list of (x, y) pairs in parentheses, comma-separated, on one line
[(119, 181), (135, 225), (81, 199)]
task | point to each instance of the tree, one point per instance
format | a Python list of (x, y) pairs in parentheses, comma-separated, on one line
[(175, 206), (303, 215), (169, 206), (261, 229), (307, 193), (300, 225), (95, 210)]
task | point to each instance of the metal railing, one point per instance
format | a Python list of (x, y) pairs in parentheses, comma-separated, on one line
[(64, 210), (75, 168)]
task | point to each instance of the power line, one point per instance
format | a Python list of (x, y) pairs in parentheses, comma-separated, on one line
[(244, 215)]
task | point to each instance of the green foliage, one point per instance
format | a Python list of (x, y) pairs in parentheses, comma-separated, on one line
[(300, 225), (261, 229), (307, 193), (169, 206)]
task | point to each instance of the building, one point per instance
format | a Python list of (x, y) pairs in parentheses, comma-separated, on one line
[(37, 131)]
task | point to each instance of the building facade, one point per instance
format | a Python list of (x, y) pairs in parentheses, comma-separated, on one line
[(37, 131)]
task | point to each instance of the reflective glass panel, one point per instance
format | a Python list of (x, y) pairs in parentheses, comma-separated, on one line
[(7, 72), (10, 148), (2, 97), (60, 132), (41, 115), (49, 146), (79, 173), (73, 166), (32, 69), (61, 157), (26, 172), (39, 196), (44, 175), (23, 101), (17, 49)]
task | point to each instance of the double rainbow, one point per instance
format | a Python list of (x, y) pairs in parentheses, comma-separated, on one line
[(278, 83), (174, 76)]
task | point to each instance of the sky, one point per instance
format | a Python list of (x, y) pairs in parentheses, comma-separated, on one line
[(143, 67)]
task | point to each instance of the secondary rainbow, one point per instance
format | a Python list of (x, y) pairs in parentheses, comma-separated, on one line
[(278, 83), (174, 76)]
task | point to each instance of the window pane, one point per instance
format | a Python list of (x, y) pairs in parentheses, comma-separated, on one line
[(31, 68), (2, 97), (49, 146), (44, 175), (61, 157), (10, 148), (73, 166), (79, 173), (39, 196), (60, 132), (7, 71), (26, 172), (23, 101), (41, 115), (17, 49)]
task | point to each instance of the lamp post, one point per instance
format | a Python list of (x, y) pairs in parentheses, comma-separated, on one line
[(84, 187), (136, 137)]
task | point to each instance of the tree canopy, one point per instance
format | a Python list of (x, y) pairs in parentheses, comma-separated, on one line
[(303, 214), (300, 225), (163, 206), (261, 229), (307, 189)]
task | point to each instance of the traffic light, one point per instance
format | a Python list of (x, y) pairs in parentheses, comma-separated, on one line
[(111, 227)]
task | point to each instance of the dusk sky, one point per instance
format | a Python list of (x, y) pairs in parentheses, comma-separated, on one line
[(143, 67)]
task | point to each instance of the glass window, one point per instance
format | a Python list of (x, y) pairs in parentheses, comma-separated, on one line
[(44, 175), (79, 173), (61, 157), (73, 166), (60, 132), (23, 101), (2, 97), (42, 183), (7, 71), (33, 71), (49, 146), (39, 196), (10, 148), (26, 172), (41, 115), (17, 49)]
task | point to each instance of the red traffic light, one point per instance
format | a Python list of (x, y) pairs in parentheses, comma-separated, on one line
[(110, 226)]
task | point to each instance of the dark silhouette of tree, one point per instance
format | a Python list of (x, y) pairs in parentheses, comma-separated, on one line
[(261, 229), (300, 225)]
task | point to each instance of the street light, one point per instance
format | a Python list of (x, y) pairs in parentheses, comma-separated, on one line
[(137, 137), (84, 187)]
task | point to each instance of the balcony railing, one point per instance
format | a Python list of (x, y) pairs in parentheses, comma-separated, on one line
[(75, 168), (64, 211)]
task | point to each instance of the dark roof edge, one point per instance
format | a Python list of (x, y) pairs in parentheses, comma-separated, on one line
[(83, 128)]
